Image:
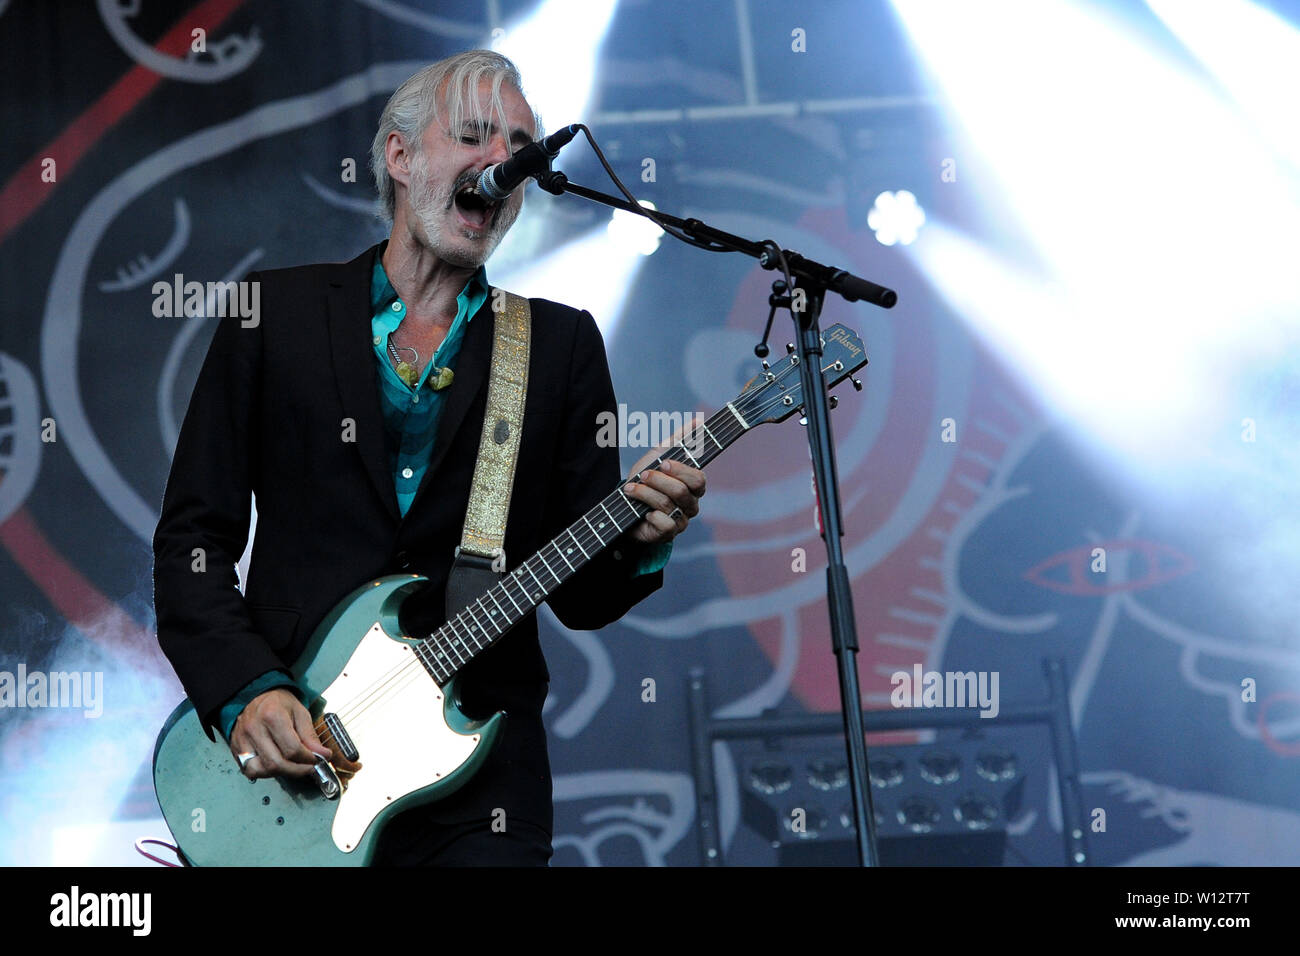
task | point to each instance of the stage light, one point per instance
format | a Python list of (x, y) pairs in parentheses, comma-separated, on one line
[(589, 273), (634, 232), (927, 809), (1132, 236), (828, 774), (996, 765), (555, 48), (770, 777), (1252, 51), (940, 767), (896, 217), (919, 814), (975, 812)]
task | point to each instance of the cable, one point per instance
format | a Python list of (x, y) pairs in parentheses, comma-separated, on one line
[(650, 214), (143, 840)]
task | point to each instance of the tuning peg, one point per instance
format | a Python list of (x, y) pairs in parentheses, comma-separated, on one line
[(789, 348), (835, 401), (857, 384), (803, 419)]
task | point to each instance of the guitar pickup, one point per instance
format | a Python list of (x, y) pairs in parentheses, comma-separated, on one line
[(346, 747)]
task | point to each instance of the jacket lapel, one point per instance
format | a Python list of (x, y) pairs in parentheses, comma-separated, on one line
[(471, 375), (355, 371)]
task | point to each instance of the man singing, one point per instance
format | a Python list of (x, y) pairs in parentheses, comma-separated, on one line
[(353, 411)]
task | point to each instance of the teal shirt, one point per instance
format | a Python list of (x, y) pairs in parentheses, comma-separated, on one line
[(411, 424), (411, 413)]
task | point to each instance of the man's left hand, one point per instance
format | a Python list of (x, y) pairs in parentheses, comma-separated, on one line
[(673, 490)]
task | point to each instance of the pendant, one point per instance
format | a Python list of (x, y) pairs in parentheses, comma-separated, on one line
[(408, 373), (440, 378)]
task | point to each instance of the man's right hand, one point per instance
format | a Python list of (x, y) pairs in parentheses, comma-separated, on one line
[(276, 727)]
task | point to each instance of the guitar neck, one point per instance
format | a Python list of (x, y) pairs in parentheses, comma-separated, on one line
[(477, 627)]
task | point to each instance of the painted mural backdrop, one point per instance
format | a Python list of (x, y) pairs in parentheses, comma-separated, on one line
[(975, 511)]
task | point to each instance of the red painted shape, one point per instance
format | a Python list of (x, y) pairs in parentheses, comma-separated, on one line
[(1084, 581), (24, 193), (878, 484), (1282, 750)]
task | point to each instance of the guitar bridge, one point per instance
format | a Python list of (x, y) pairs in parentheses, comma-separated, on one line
[(327, 779)]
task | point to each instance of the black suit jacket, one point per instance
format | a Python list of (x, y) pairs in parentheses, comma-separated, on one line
[(268, 417)]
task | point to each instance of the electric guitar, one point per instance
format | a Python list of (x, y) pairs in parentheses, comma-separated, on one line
[(373, 685)]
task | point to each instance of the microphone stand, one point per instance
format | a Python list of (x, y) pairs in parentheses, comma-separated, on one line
[(814, 280)]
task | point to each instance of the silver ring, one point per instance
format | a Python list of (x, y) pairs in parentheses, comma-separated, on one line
[(245, 758), (675, 514)]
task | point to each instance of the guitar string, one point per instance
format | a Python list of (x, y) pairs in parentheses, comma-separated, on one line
[(380, 689), (382, 686), (376, 691), (587, 541)]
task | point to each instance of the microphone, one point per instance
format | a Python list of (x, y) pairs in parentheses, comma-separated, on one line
[(499, 181)]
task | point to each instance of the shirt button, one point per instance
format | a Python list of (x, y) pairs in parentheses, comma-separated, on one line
[(407, 473), (397, 307), (378, 339), (416, 398)]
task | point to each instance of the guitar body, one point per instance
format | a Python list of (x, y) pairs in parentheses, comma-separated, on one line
[(359, 666)]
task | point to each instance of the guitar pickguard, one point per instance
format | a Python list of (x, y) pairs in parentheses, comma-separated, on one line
[(383, 689)]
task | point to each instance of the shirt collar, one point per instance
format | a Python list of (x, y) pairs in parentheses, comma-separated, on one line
[(382, 293)]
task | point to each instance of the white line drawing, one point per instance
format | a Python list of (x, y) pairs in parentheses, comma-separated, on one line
[(1220, 830), (366, 207), (61, 323), (144, 267), (20, 439), (439, 26), (230, 55), (656, 832), (600, 677)]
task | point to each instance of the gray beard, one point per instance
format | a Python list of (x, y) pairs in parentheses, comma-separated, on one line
[(429, 205)]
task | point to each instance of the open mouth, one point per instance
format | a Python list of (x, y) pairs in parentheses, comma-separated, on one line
[(473, 208)]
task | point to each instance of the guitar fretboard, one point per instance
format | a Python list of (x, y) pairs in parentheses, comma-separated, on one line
[(477, 627)]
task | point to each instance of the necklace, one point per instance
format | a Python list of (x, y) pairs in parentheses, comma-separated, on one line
[(408, 372)]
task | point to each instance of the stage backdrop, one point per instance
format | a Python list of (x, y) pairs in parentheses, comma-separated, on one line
[(992, 525)]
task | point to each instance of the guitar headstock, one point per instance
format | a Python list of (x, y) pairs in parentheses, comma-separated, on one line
[(776, 393)]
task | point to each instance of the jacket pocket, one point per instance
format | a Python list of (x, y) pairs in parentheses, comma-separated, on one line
[(278, 626)]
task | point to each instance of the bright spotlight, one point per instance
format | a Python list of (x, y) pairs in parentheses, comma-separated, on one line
[(1252, 51), (590, 273), (555, 49), (634, 232), (896, 217), (1163, 229)]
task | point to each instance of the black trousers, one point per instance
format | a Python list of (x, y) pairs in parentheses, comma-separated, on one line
[(476, 843), (504, 815)]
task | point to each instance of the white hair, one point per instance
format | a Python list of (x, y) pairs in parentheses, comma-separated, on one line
[(414, 105)]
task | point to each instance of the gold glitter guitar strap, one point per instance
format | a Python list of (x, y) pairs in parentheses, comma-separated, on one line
[(482, 542)]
